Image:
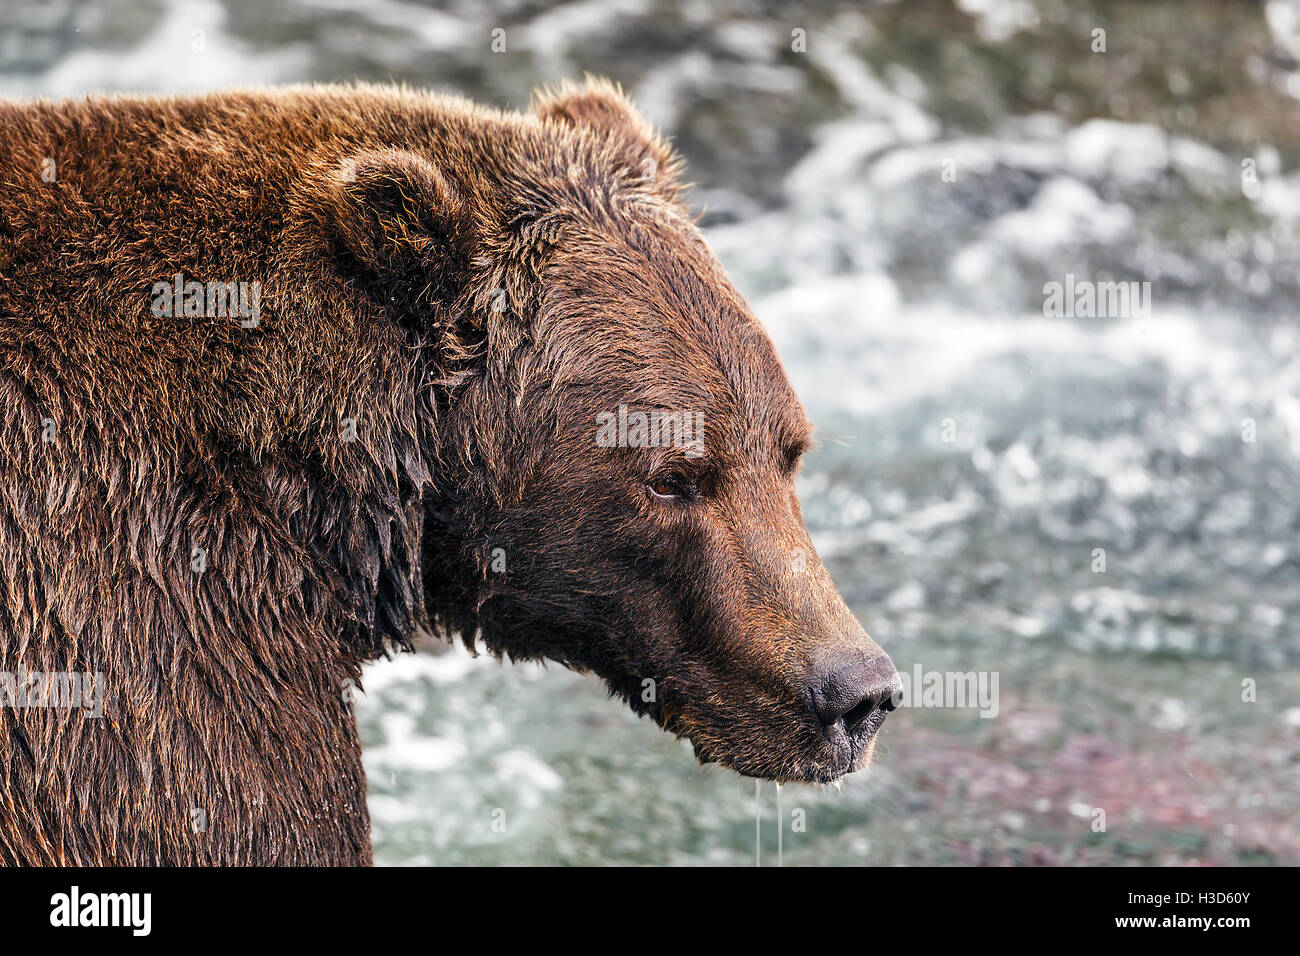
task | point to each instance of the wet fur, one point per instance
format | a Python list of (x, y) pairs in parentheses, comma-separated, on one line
[(455, 279)]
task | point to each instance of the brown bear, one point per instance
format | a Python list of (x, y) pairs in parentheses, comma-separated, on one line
[(287, 377)]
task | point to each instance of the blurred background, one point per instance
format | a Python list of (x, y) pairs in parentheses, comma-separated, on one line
[(893, 185)]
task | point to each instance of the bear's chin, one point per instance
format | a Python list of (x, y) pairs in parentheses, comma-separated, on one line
[(829, 767)]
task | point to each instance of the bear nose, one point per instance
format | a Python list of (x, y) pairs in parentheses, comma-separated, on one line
[(854, 690)]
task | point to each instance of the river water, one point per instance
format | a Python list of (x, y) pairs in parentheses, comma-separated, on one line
[(1102, 510)]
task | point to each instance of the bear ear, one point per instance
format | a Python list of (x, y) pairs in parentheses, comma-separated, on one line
[(401, 223), (602, 107)]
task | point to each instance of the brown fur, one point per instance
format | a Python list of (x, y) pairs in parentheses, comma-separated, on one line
[(471, 288)]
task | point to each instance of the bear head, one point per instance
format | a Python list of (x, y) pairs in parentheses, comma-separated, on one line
[(612, 440)]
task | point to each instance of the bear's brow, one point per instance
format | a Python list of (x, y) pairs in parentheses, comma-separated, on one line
[(793, 437)]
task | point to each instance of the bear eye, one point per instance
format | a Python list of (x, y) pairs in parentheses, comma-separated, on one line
[(672, 486), (793, 455)]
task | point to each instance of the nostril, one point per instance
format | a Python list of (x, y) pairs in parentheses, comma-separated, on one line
[(860, 713), (853, 692)]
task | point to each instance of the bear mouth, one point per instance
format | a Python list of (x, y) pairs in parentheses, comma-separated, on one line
[(837, 755)]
